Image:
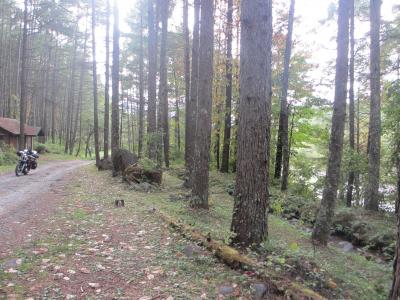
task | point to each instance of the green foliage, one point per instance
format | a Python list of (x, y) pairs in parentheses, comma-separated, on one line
[(40, 148), (7, 155), (147, 164)]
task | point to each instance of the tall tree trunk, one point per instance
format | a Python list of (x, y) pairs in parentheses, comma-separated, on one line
[(249, 220), (228, 101), (350, 182), (152, 84), (107, 84), (24, 70), (141, 90), (395, 291), (357, 174), (71, 92), (95, 96), (191, 112), (163, 88), (115, 84), (284, 103), (326, 211), (203, 129), (80, 95), (372, 188), (187, 68)]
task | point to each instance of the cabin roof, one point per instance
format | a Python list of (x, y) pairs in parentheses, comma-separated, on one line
[(12, 126)]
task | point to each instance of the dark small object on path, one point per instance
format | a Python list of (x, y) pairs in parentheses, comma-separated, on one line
[(119, 203)]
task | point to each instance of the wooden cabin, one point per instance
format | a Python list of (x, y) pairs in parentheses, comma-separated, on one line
[(9, 133)]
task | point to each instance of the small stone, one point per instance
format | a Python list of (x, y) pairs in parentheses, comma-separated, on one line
[(70, 297), (150, 277), (12, 271), (85, 270), (226, 290), (71, 272), (66, 278), (331, 284), (45, 260), (94, 285), (260, 290), (346, 246)]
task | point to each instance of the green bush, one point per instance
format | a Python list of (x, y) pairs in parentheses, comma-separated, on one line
[(7, 155), (148, 164), (41, 148)]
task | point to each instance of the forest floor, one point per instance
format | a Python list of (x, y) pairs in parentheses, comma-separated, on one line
[(87, 248)]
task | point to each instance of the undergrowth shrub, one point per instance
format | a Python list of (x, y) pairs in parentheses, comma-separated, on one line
[(7, 155)]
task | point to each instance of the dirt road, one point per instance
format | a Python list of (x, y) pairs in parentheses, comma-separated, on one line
[(24, 199)]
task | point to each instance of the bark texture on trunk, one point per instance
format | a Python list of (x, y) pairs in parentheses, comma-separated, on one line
[(192, 104), (395, 291), (203, 129), (152, 84), (163, 88), (95, 96), (187, 67), (374, 148), (22, 105), (325, 214), (284, 103), (350, 182), (107, 84), (249, 221), (228, 93), (115, 84), (141, 91)]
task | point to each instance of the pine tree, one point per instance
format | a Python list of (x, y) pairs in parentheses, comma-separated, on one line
[(249, 220)]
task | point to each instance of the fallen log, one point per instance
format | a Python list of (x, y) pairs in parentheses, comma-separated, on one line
[(236, 260)]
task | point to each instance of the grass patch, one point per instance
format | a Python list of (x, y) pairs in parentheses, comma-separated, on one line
[(350, 274)]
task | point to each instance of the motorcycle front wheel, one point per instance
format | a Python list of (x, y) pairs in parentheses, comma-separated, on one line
[(19, 170)]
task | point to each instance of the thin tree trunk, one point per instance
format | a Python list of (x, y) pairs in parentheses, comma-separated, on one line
[(228, 101), (372, 188), (177, 116), (217, 145), (152, 84), (284, 102), (141, 91), (115, 83), (350, 182), (187, 70), (107, 84), (326, 211), (203, 129), (249, 220), (95, 96), (192, 104), (24, 70), (163, 89)]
